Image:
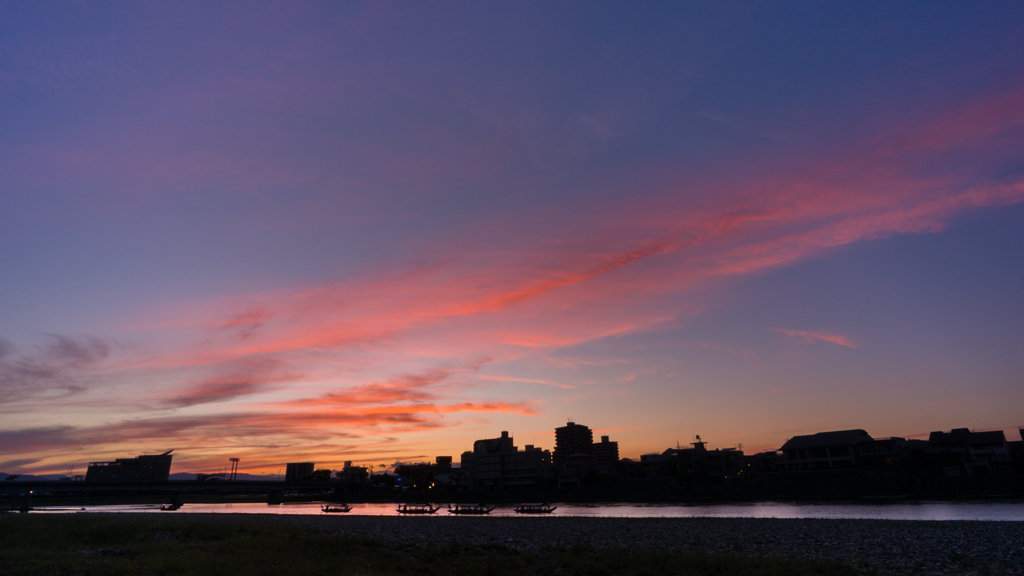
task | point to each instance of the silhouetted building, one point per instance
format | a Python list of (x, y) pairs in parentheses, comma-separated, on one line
[(572, 439), (417, 476), (297, 471), (154, 468), (699, 465), (824, 451), (966, 453), (448, 476), (496, 464), (696, 465), (576, 468), (1017, 446), (653, 465), (352, 474), (1017, 454), (606, 452), (760, 463), (886, 458), (425, 475)]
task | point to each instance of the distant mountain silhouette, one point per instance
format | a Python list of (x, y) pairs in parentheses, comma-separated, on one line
[(27, 477), (238, 476)]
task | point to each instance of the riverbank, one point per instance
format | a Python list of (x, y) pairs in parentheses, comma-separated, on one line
[(753, 545), (882, 546), (103, 544)]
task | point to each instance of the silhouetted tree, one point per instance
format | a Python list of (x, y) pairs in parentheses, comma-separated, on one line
[(321, 475)]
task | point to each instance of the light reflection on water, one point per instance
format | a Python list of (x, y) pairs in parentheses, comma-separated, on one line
[(1004, 511)]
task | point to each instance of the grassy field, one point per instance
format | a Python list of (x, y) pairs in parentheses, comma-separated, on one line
[(113, 544)]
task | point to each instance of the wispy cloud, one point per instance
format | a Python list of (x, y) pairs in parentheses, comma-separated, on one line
[(252, 377), (810, 337), (325, 355), (406, 388), (524, 380), (247, 323), (559, 292), (56, 368)]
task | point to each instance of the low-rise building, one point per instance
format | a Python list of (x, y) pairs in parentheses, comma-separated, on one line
[(146, 468), (1017, 454), (885, 458), (966, 453), (696, 465), (823, 452), (350, 474), (426, 475)]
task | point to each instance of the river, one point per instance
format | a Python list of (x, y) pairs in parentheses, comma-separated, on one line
[(1001, 511)]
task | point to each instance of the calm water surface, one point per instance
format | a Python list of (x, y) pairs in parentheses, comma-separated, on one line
[(1005, 511)]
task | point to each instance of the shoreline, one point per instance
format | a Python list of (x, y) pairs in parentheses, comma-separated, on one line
[(13, 499)]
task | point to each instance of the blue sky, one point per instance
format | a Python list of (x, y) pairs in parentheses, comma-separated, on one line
[(378, 231)]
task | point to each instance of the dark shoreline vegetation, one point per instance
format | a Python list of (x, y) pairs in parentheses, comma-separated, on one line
[(124, 543), (108, 544)]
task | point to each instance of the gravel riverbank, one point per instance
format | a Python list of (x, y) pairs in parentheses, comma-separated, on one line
[(879, 546)]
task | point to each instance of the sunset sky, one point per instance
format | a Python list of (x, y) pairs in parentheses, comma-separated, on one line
[(378, 231)]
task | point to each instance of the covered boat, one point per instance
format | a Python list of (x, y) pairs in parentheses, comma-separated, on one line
[(342, 508), (417, 509), (470, 509), (534, 508), (178, 503)]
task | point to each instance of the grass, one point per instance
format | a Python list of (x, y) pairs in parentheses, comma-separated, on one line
[(73, 544)]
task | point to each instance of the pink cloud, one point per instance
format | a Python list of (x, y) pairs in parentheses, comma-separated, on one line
[(810, 337), (244, 380), (525, 381)]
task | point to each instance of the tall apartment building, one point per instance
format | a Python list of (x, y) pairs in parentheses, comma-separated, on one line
[(606, 452), (496, 464), (146, 468), (297, 471), (570, 440)]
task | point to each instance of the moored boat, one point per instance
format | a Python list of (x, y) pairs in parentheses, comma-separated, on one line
[(342, 508), (534, 508), (417, 509), (476, 509), (178, 503)]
